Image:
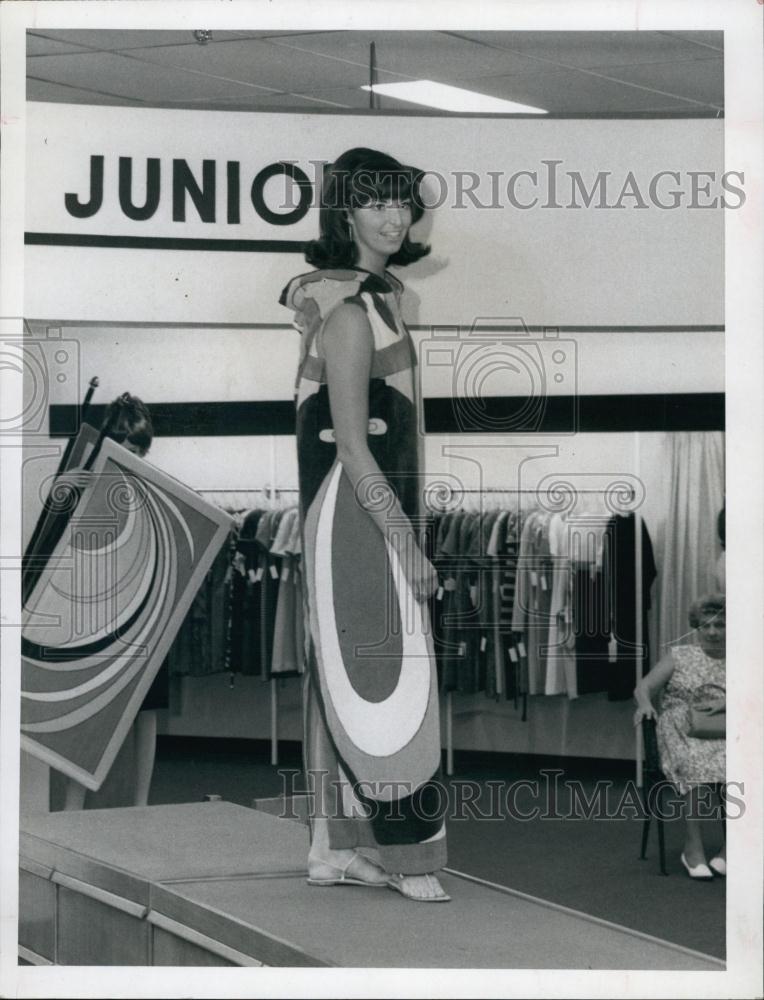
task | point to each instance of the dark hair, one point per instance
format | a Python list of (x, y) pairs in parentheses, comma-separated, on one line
[(710, 606), (355, 178), (128, 418), (720, 527)]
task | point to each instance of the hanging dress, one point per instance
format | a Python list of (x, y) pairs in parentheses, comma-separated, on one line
[(372, 739)]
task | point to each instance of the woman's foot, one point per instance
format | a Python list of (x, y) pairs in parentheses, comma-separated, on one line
[(419, 888), (699, 871), (718, 864), (694, 852), (345, 868)]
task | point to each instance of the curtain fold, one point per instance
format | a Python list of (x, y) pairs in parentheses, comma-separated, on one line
[(695, 464)]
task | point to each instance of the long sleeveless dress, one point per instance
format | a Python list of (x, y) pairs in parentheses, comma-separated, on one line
[(697, 677), (372, 733)]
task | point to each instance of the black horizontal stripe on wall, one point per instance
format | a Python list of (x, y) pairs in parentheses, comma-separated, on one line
[(573, 414), (224, 419), (162, 243), (502, 414)]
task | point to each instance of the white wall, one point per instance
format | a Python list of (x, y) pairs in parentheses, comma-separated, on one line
[(559, 266)]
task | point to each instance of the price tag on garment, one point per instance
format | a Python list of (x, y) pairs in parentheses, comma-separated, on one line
[(439, 595), (612, 650), (462, 648), (450, 583), (474, 594), (483, 643), (534, 578), (259, 574), (543, 582), (285, 574), (274, 571), (521, 647), (253, 577), (512, 654)]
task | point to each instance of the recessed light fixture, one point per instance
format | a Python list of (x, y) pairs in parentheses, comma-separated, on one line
[(448, 98)]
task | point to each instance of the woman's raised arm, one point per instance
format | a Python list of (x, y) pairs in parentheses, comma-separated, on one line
[(651, 684)]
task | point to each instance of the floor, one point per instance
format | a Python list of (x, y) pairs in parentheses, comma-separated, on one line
[(588, 864)]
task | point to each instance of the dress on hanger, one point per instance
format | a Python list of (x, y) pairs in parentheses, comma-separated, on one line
[(561, 659), (371, 686)]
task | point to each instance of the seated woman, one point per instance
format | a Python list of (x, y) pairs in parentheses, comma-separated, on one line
[(690, 675)]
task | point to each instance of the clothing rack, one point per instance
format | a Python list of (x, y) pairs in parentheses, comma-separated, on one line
[(559, 489), (270, 492), (275, 491)]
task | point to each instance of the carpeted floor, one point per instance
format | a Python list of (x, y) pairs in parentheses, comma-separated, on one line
[(588, 864)]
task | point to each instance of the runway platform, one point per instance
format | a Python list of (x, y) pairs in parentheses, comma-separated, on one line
[(219, 884)]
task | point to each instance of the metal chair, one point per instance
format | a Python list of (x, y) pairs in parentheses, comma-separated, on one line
[(652, 776)]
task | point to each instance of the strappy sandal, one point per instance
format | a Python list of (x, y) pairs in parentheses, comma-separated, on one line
[(343, 878), (396, 882)]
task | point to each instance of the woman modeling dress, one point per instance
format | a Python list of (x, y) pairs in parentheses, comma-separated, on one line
[(372, 741)]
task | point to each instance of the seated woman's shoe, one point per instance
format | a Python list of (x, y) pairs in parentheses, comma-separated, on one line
[(718, 866), (701, 872), (351, 873), (419, 888)]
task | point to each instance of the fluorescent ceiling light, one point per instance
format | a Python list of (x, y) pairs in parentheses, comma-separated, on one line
[(447, 98)]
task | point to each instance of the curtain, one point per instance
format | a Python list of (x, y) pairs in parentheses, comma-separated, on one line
[(695, 465)]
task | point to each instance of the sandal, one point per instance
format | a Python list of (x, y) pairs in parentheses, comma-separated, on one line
[(342, 877), (396, 882)]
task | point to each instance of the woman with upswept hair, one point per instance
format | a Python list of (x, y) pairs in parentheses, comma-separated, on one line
[(372, 733)]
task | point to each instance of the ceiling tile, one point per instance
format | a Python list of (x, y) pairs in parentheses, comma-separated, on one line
[(263, 63), (418, 55), (108, 40), (699, 79), (285, 102), (136, 78), (285, 69), (42, 90), (116, 40), (41, 45), (592, 48), (709, 39), (568, 91)]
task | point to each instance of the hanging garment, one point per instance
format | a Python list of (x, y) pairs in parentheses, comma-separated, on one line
[(533, 596), (371, 700), (622, 675), (496, 666), (287, 655), (561, 658), (200, 645), (246, 587), (447, 565), (514, 652), (268, 574)]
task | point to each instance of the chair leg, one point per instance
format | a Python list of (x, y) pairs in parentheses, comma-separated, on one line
[(661, 840), (645, 824)]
